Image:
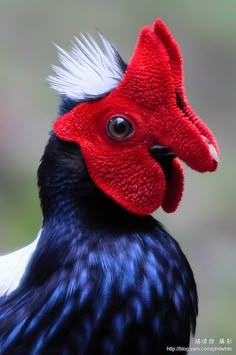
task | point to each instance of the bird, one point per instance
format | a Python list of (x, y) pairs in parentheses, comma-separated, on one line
[(103, 275)]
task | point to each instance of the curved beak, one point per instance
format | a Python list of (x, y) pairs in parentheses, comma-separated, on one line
[(190, 140)]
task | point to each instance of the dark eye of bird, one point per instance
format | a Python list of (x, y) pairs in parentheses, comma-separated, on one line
[(119, 128)]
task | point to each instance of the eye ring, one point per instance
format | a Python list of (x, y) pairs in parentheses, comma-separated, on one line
[(119, 128)]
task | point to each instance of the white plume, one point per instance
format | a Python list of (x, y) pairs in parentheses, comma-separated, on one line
[(88, 69)]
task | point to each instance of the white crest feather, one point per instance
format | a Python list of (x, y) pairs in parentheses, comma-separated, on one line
[(88, 69), (13, 266)]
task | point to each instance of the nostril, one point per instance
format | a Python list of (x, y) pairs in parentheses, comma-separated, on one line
[(179, 102)]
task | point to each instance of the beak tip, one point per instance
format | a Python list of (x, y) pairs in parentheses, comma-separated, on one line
[(214, 153)]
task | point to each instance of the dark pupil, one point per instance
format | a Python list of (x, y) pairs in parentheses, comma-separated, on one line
[(119, 127)]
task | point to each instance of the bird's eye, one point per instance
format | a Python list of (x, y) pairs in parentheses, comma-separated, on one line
[(119, 128)]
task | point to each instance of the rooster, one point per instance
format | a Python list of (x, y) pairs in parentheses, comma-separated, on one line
[(103, 276)]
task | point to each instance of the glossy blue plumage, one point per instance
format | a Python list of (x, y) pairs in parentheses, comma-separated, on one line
[(101, 281)]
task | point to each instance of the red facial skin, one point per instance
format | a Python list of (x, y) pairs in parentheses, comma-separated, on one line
[(146, 96)]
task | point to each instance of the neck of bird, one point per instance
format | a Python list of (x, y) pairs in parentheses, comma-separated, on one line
[(69, 199), (74, 211), (77, 216)]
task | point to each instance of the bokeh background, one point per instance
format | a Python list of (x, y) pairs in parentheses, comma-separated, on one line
[(205, 223)]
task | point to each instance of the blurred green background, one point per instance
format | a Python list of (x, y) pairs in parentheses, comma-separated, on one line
[(205, 223)]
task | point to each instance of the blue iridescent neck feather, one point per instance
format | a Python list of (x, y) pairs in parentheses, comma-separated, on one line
[(101, 281)]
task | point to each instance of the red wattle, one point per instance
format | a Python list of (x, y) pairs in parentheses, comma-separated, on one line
[(174, 188)]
